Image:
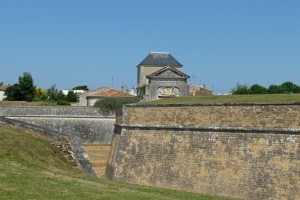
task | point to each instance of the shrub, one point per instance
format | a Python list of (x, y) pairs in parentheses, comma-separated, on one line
[(71, 96), (257, 89), (240, 89), (63, 103), (40, 94), (110, 104), (275, 89)]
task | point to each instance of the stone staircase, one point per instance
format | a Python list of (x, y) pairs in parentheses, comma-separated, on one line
[(98, 155)]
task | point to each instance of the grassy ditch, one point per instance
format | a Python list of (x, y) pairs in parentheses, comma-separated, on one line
[(33, 167), (266, 98)]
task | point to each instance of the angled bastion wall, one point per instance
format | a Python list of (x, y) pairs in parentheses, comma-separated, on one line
[(247, 151), (87, 123)]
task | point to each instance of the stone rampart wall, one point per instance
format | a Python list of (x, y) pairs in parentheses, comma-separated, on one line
[(89, 124), (52, 111), (247, 151), (220, 115)]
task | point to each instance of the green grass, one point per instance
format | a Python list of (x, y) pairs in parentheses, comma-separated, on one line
[(33, 168), (267, 98)]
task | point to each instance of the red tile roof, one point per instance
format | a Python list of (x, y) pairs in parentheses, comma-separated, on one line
[(112, 93)]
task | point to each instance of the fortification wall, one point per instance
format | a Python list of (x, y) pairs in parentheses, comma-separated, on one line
[(52, 111), (89, 124), (247, 151), (212, 115)]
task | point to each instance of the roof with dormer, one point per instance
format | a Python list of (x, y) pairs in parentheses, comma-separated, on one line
[(160, 59)]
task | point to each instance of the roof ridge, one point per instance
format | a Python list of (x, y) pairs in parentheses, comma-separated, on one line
[(160, 59)]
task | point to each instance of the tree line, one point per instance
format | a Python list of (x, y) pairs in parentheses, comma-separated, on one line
[(25, 90), (284, 88)]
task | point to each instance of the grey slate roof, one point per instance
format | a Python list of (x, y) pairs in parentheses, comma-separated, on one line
[(160, 59)]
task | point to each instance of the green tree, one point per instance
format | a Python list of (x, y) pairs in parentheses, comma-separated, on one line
[(275, 89), (240, 89), (27, 87), (289, 87), (257, 89), (71, 97), (61, 97), (81, 87), (13, 93), (24, 90), (52, 92)]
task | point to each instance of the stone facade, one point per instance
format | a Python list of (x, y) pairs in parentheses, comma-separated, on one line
[(152, 83), (247, 151), (167, 82)]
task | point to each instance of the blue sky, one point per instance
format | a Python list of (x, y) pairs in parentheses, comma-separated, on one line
[(219, 42)]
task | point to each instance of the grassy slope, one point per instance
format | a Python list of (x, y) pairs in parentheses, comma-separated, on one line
[(33, 168), (231, 99)]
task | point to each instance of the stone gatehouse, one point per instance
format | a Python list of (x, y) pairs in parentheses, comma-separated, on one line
[(160, 76)]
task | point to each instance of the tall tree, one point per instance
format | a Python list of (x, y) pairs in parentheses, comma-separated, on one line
[(27, 87), (24, 90), (52, 92)]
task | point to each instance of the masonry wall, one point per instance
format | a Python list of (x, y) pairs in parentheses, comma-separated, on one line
[(52, 111), (247, 151), (87, 123)]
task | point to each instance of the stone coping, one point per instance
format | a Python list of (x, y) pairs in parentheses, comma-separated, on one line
[(214, 104), (61, 116), (294, 131), (68, 107)]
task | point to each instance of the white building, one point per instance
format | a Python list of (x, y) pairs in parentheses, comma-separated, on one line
[(2, 91), (65, 92)]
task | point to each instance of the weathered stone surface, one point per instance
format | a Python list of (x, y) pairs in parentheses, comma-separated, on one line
[(51, 111), (221, 115), (89, 130), (87, 123), (247, 151), (81, 156)]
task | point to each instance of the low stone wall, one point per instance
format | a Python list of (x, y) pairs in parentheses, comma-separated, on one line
[(52, 111), (247, 151), (89, 130), (87, 123)]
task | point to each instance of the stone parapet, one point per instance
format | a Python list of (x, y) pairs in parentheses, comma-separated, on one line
[(52, 111), (246, 151)]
